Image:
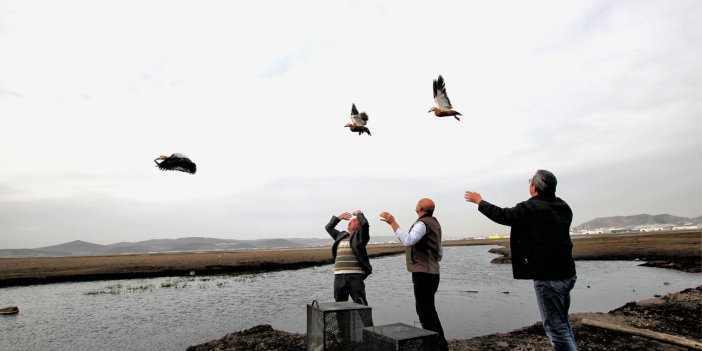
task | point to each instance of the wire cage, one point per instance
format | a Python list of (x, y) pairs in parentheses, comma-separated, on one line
[(399, 337), (337, 326)]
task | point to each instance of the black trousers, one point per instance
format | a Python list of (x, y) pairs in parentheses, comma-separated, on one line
[(425, 286), (350, 284)]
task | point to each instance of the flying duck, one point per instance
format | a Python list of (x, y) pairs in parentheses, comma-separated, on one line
[(358, 121), (443, 104), (176, 162)]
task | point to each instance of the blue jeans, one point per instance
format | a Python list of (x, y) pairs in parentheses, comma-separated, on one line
[(553, 297)]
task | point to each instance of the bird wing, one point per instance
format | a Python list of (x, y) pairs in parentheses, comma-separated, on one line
[(360, 119), (442, 100), (178, 162)]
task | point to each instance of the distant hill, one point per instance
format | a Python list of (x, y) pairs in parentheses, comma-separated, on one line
[(638, 220), (77, 247), (189, 244)]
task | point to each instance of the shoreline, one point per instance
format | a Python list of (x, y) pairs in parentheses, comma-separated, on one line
[(663, 323), (675, 249)]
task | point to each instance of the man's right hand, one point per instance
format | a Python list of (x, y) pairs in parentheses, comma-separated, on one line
[(388, 218), (473, 197), (344, 216)]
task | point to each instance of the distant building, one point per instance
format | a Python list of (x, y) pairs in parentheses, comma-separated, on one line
[(687, 227)]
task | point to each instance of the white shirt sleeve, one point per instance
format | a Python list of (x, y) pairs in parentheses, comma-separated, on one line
[(415, 234)]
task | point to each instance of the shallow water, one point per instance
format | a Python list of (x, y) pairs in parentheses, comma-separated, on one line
[(148, 314)]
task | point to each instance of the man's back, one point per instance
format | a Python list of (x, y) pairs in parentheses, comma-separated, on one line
[(540, 236)]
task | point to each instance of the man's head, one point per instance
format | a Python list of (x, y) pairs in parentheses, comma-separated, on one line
[(543, 183), (354, 225), (425, 207)]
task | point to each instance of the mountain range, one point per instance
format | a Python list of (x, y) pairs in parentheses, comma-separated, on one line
[(638, 220), (190, 244)]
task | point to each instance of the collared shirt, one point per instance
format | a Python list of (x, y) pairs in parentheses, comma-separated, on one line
[(415, 234)]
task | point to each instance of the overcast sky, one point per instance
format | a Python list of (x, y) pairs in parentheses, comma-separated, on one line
[(605, 94)]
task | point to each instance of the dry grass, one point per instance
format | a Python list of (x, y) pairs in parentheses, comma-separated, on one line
[(31, 270), (643, 246)]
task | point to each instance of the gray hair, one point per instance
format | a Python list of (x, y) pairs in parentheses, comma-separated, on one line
[(545, 182)]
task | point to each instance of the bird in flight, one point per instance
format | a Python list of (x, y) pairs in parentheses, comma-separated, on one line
[(358, 121), (176, 162), (443, 104)]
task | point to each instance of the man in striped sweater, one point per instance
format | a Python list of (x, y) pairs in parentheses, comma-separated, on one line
[(351, 263)]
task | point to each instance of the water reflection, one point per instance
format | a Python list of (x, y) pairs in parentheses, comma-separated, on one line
[(174, 313)]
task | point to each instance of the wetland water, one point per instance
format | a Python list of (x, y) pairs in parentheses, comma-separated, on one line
[(177, 312)]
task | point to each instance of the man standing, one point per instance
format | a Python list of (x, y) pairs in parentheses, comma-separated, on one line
[(541, 250), (351, 263), (423, 253)]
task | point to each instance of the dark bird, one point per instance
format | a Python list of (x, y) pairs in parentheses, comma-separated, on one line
[(358, 121), (176, 162), (9, 310), (443, 104)]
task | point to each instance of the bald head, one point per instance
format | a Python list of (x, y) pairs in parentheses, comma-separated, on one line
[(425, 206)]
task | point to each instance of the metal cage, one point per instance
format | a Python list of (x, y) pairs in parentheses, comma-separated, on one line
[(399, 337), (336, 326)]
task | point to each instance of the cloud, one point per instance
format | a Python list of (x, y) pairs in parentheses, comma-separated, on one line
[(10, 94), (299, 57)]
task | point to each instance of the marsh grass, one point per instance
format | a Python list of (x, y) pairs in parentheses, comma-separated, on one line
[(113, 289), (141, 288), (177, 283), (181, 283), (251, 277)]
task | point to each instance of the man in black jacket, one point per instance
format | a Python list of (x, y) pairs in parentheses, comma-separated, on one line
[(541, 250), (351, 263)]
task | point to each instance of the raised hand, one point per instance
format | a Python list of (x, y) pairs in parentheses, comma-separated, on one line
[(473, 197), (344, 216), (387, 217)]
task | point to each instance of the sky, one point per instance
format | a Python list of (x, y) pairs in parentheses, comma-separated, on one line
[(605, 94)]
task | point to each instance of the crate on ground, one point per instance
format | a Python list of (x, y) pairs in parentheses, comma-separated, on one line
[(399, 337), (336, 326)]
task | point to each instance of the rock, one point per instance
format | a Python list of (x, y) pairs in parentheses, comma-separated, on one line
[(259, 338), (501, 260)]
